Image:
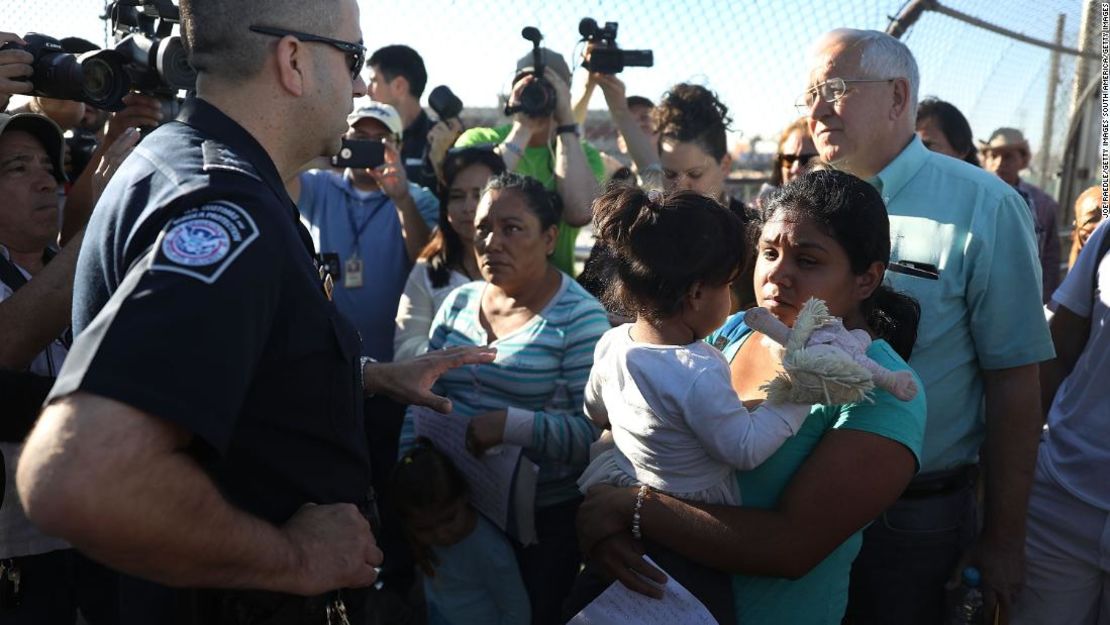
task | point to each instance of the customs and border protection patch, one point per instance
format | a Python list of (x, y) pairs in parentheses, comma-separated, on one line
[(203, 242)]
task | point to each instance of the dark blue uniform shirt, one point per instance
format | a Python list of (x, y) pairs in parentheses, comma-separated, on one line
[(198, 300)]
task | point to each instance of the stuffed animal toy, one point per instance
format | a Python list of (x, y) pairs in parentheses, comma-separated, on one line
[(824, 362)]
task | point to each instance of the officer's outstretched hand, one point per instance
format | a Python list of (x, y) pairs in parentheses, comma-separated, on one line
[(334, 547), (410, 381)]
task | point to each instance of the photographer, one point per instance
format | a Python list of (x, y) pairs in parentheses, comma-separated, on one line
[(631, 117), (397, 78), (549, 149), (42, 580)]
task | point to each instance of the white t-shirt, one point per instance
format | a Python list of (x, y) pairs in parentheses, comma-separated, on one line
[(678, 425), (1077, 440), (17, 536)]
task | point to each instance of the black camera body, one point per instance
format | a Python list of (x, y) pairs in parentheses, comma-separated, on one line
[(146, 58), (537, 98), (445, 103), (80, 145), (93, 77), (156, 62), (606, 57)]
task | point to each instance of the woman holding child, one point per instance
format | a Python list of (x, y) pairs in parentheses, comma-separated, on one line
[(790, 545), (545, 327)]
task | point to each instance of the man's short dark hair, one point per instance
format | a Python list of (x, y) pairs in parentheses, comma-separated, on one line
[(639, 101), (398, 60), (216, 32)]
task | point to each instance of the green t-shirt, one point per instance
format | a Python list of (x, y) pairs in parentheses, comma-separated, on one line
[(821, 596), (539, 163)]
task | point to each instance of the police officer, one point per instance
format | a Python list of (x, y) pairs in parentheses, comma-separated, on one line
[(205, 431)]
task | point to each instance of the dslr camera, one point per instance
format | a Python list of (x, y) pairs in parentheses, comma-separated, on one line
[(93, 77), (146, 58), (537, 99), (606, 57)]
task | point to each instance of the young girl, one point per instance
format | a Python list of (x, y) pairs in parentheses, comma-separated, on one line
[(665, 394), (470, 571)]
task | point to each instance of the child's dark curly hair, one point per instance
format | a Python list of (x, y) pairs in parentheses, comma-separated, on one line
[(692, 113), (423, 479), (663, 245)]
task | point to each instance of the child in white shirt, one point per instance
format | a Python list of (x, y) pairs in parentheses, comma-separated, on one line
[(667, 396)]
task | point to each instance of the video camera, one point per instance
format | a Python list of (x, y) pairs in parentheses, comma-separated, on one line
[(606, 57), (146, 58), (537, 99)]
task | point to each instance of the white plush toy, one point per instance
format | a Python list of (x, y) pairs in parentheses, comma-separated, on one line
[(824, 362)]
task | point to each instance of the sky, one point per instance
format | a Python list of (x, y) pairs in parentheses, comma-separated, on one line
[(752, 52)]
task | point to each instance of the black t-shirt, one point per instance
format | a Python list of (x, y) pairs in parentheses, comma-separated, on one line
[(199, 302), (414, 150)]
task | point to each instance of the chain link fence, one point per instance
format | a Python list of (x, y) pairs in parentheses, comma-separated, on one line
[(753, 53)]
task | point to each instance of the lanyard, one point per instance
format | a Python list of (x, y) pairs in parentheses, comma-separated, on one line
[(359, 229)]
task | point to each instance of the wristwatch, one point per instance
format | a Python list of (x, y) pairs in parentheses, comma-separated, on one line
[(362, 362), (565, 128)]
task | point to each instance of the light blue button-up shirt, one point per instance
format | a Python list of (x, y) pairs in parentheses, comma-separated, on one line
[(329, 205), (982, 310)]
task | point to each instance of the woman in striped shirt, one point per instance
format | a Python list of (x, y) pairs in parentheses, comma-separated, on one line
[(544, 326)]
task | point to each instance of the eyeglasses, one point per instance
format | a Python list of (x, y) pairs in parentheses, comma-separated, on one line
[(788, 159), (356, 51), (831, 91)]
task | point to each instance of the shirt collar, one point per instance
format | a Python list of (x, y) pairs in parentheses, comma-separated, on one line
[(901, 170), (216, 124), (419, 126)]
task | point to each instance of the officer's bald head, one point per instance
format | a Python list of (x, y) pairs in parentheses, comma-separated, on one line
[(216, 32)]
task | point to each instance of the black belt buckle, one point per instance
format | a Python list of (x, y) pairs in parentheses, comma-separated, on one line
[(938, 483)]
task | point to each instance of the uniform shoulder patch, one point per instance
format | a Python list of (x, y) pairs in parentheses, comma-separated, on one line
[(203, 242)]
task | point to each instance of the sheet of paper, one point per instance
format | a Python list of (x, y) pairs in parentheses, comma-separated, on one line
[(621, 606), (490, 477)]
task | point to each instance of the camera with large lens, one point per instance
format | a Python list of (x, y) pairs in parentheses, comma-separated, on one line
[(146, 58), (537, 98), (605, 57), (155, 59), (97, 77)]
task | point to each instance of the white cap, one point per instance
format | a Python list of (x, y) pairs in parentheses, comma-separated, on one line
[(386, 114)]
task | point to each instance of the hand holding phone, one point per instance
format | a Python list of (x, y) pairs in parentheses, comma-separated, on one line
[(360, 154)]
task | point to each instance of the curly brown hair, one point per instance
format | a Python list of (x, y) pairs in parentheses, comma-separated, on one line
[(692, 113)]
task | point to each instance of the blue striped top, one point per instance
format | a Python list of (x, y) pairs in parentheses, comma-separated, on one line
[(542, 368)]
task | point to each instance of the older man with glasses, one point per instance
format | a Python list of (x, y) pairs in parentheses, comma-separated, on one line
[(963, 246), (206, 429)]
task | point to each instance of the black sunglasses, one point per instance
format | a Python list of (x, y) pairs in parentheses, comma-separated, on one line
[(789, 159), (356, 51)]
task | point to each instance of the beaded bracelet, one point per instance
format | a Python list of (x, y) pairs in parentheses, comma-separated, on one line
[(636, 533)]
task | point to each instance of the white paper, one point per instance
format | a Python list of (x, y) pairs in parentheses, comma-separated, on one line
[(620, 606), (490, 477)]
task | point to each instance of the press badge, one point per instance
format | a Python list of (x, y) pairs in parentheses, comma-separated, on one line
[(352, 273)]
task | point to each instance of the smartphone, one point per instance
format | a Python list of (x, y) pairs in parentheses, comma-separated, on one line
[(360, 154)]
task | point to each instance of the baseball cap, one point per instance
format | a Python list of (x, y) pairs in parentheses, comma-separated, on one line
[(45, 130), (550, 58), (386, 114), (1005, 138)]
